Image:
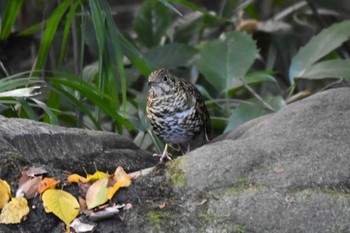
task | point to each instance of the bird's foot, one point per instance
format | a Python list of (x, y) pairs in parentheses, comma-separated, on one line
[(165, 154)]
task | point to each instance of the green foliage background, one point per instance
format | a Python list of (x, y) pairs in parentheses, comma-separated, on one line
[(82, 63)]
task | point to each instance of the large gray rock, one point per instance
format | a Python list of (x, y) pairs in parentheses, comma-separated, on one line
[(71, 149), (284, 172)]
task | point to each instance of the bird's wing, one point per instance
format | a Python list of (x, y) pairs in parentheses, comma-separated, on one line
[(194, 98)]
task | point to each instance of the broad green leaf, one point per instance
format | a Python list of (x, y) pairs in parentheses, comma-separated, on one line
[(61, 203), (197, 8), (251, 79), (248, 111), (223, 62), (135, 56), (152, 22), (336, 68), (319, 46), (9, 18), (171, 55)]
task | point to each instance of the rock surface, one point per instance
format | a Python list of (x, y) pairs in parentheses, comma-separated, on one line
[(284, 172)]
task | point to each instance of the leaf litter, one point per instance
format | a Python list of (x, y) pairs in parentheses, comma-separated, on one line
[(94, 191)]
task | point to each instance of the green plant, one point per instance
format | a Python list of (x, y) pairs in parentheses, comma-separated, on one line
[(92, 72)]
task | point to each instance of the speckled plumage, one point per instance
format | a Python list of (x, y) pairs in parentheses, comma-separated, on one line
[(175, 109)]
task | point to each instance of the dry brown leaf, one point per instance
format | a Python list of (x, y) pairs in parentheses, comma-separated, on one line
[(162, 206), (249, 25), (202, 202), (29, 189), (128, 206), (279, 170), (35, 171), (82, 203), (24, 178)]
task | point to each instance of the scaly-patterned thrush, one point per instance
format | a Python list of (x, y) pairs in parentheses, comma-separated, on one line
[(176, 111)]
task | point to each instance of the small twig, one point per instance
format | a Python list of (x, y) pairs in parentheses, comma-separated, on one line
[(266, 105), (298, 96)]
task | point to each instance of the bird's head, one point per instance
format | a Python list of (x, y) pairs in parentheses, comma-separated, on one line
[(162, 81)]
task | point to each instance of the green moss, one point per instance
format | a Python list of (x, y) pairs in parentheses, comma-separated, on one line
[(238, 228), (156, 218), (331, 191), (237, 190), (176, 173), (209, 216)]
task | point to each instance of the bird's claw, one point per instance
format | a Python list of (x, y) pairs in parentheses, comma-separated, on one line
[(162, 156)]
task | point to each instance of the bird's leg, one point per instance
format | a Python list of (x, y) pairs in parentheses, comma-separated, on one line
[(164, 154)]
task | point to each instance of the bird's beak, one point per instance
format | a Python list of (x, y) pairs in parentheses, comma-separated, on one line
[(150, 83)]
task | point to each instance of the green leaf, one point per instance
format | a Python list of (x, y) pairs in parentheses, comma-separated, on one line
[(251, 79), (171, 55), (76, 102), (336, 68), (67, 27), (248, 111), (116, 56), (9, 18), (152, 22), (28, 111), (197, 8), (171, 7), (135, 56), (50, 31), (319, 46), (94, 95), (43, 106), (223, 62)]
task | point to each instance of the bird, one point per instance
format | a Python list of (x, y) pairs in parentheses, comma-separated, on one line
[(176, 111)]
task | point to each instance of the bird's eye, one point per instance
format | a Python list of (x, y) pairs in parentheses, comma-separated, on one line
[(165, 78)]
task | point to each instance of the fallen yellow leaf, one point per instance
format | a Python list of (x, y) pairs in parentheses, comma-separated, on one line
[(97, 193), (14, 211), (96, 176), (122, 180), (5, 193), (75, 178), (62, 204)]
